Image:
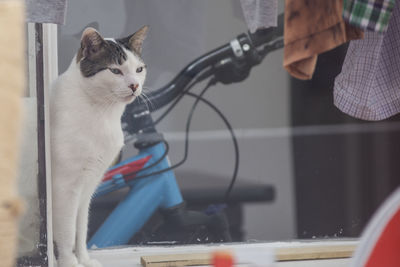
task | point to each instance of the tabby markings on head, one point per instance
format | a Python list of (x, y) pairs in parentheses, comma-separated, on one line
[(106, 54), (96, 53)]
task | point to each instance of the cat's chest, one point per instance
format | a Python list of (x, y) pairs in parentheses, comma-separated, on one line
[(84, 131), (105, 136), (102, 145)]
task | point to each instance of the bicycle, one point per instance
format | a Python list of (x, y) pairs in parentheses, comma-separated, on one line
[(149, 174)]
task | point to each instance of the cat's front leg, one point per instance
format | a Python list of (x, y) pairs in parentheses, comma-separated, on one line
[(68, 261), (81, 233), (65, 207)]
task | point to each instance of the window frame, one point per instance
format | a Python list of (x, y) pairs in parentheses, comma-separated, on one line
[(42, 70)]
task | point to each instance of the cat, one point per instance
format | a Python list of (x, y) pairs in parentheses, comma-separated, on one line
[(87, 102)]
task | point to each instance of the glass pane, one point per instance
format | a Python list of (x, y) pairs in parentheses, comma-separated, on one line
[(29, 223), (306, 170)]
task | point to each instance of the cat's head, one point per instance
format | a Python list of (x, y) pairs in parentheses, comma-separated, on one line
[(112, 68)]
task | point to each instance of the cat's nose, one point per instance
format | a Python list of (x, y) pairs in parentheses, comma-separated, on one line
[(134, 87)]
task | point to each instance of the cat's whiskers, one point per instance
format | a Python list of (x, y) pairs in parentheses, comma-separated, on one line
[(141, 98), (146, 89), (123, 93), (146, 99), (117, 96), (146, 96)]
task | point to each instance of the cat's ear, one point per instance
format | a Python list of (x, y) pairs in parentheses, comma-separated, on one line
[(91, 42), (135, 41)]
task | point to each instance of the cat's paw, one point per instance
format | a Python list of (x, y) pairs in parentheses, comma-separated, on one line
[(91, 263), (69, 263)]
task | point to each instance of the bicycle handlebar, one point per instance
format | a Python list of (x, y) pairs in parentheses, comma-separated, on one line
[(166, 94), (246, 51)]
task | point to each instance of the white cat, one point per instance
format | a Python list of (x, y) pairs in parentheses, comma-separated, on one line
[(87, 102)]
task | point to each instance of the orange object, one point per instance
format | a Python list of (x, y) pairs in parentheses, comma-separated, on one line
[(312, 27), (222, 259)]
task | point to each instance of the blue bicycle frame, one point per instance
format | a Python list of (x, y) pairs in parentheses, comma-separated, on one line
[(144, 198)]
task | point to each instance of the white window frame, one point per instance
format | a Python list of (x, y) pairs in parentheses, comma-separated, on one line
[(43, 69)]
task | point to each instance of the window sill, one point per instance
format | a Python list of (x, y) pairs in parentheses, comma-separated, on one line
[(292, 253)]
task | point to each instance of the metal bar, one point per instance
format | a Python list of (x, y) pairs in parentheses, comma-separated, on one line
[(42, 247)]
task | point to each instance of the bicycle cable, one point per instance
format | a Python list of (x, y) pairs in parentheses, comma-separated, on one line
[(199, 77), (198, 97), (164, 141), (234, 140), (211, 82), (172, 106)]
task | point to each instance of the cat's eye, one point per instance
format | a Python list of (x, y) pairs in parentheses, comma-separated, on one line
[(140, 69), (116, 71)]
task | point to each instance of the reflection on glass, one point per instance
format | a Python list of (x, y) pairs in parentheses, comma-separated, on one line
[(306, 170), (29, 222)]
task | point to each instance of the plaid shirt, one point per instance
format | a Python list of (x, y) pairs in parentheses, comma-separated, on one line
[(368, 87), (371, 15)]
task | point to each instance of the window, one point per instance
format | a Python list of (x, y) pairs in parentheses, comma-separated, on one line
[(306, 171)]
